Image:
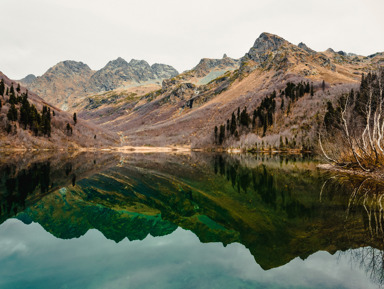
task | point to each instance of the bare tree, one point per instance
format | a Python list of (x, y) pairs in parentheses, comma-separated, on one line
[(358, 127)]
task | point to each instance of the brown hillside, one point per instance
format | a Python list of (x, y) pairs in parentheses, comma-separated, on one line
[(185, 111), (186, 108), (82, 136)]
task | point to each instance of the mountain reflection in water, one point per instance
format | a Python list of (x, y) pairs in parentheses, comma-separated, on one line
[(279, 207)]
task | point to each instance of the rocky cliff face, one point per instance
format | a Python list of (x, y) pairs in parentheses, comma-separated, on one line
[(207, 65), (273, 52), (120, 73), (60, 82)]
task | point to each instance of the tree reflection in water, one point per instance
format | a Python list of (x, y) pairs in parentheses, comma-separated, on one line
[(366, 195)]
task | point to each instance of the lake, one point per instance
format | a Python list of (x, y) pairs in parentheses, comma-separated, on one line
[(199, 220)]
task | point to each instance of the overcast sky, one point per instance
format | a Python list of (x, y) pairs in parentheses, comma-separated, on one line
[(36, 34)]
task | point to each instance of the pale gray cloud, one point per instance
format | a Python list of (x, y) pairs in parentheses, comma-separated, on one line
[(36, 34)]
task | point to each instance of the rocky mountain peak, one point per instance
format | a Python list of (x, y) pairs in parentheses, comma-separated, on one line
[(267, 41), (140, 63), (28, 79), (305, 47), (118, 62), (68, 67), (164, 71)]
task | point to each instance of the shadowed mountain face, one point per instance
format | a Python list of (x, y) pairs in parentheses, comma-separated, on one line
[(280, 208)]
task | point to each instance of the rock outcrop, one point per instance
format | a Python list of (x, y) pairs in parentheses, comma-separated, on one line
[(120, 73)]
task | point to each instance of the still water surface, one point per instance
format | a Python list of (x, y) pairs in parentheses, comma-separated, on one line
[(187, 221)]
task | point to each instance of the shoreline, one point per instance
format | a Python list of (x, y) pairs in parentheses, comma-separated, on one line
[(123, 149), (375, 174), (153, 149)]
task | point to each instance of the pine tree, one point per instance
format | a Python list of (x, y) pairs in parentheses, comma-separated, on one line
[(307, 87), (254, 118), (18, 88), (46, 121), (12, 113), (48, 124), (69, 129), (12, 98), (25, 112), (323, 85), (2, 87), (233, 124), (12, 90), (74, 118), (244, 118), (312, 93), (222, 134), (216, 129)]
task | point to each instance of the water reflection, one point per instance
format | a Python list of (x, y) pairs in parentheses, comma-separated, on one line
[(279, 207)]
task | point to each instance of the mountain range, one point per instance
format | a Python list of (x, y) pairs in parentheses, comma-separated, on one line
[(155, 105), (69, 79)]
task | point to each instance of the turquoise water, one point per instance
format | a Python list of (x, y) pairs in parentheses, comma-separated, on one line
[(199, 221)]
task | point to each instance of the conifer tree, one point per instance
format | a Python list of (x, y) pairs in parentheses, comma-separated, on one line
[(12, 98), (233, 124), (12, 90), (69, 129), (244, 117), (312, 93), (46, 121), (307, 87), (254, 118), (216, 129), (24, 112), (74, 118), (228, 126), (222, 134), (18, 88), (2, 87), (12, 113)]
